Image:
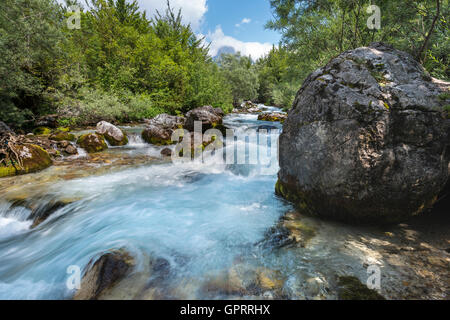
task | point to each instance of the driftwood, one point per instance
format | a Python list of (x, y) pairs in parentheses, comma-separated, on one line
[(8, 150)]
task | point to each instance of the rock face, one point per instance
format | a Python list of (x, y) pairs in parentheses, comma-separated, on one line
[(366, 140), (159, 129), (103, 274), (92, 142), (112, 134), (209, 116)]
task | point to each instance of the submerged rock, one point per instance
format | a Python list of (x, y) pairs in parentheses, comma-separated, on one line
[(350, 288), (366, 140), (211, 118), (92, 142), (112, 134), (166, 152), (103, 274)]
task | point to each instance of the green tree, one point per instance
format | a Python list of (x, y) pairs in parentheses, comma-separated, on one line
[(241, 75)]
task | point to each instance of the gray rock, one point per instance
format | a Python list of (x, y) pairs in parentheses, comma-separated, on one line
[(112, 134), (366, 139), (4, 128), (102, 274), (210, 118), (159, 130), (167, 121)]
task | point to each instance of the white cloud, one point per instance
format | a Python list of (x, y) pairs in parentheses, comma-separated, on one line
[(218, 40), (244, 21), (193, 11)]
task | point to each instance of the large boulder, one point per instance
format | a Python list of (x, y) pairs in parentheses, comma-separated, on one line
[(157, 135), (366, 139), (112, 134), (103, 274), (92, 142), (159, 129), (211, 118), (28, 158)]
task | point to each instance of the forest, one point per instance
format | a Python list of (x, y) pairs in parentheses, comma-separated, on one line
[(126, 65)]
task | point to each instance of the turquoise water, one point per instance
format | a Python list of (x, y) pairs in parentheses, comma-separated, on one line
[(198, 216)]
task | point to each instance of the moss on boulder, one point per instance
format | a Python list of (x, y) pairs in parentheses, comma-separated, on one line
[(62, 136), (33, 159), (92, 142), (42, 131)]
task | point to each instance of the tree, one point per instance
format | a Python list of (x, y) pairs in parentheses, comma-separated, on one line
[(241, 76)]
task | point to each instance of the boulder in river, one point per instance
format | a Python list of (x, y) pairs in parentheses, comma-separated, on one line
[(211, 118), (92, 142), (62, 136), (273, 117), (112, 134), (159, 129), (102, 274), (366, 139), (28, 158)]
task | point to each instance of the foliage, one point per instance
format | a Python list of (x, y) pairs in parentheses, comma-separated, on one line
[(316, 30), (241, 75)]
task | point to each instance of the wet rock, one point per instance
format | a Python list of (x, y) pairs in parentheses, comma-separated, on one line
[(166, 152), (241, 279), (70, 149), (290, 230), (62, 136), (92, 142), (365, 140), (273, 117), (103, 274), (157, 135), (32, 159), (350, 288), (199, 143), (160, 129), (44, 210), (112, 134), (211, 118), (269, 280)]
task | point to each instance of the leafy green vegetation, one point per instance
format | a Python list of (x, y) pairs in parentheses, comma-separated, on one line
[(314, 31), (124, 66), (119, 66)]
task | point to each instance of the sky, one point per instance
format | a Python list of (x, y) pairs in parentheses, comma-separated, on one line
[(225, 23)]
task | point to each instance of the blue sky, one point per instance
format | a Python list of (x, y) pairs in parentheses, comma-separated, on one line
[(233, 23)]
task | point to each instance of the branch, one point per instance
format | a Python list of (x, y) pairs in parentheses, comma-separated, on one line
[(425, 43)]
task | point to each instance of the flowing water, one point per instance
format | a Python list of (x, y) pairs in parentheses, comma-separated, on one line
[(202, 218)]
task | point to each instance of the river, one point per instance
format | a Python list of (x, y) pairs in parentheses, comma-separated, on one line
[(204, 219)]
